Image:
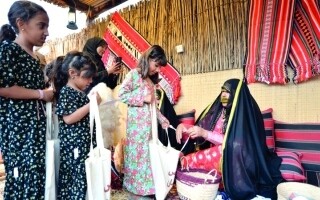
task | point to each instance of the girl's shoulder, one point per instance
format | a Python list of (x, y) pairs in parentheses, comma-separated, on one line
[(134, 72), (66, 89), (71, 92), (8, 45)]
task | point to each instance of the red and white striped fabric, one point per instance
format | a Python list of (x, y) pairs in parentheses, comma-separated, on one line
[(305, 48), (283, 34), (268, 40), (269, 128)]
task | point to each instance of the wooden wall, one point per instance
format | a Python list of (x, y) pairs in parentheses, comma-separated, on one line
[(213, 32)]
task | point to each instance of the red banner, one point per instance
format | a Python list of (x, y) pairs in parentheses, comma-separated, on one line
[(124, 41)]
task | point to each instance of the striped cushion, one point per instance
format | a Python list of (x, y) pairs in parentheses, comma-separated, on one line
[(269, 128), (188, 117), (291, 169), (303, 138)]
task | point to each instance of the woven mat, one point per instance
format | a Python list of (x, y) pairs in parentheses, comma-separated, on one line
[(124, 195), (117, 194)]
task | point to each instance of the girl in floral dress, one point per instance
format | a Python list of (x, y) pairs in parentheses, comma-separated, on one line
[(138, 91), (71, 79), (22, 99)]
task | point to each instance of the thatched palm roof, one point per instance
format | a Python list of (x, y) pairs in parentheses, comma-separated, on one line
[(91, 7)]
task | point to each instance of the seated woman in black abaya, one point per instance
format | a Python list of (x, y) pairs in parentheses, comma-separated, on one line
[(231, 130)]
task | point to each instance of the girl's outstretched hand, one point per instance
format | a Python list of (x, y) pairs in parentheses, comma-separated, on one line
[(165, 124), (180, 129), (98, 97)]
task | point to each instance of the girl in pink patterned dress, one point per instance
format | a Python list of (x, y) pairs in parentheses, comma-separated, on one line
[(138, 91)]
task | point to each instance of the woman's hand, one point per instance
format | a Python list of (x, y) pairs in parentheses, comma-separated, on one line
[(115, 68), (180, 130), (197, 131)]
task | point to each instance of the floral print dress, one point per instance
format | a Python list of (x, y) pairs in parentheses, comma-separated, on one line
[(137, 167), (74, 145), (22, 125)]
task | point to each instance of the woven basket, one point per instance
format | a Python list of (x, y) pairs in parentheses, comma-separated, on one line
[(195, 184), (308, 191)]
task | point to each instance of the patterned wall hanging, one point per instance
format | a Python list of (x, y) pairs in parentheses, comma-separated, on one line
[(281, 34), (124, 41)]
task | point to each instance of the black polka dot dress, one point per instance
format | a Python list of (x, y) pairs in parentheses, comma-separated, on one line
[(22, 125), (74, 145)]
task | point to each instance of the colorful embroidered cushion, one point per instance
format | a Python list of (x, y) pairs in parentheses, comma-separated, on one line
[(303, 138), (291, 169), (269, 128)]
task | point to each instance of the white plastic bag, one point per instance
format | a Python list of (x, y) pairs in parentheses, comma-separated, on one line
[(52, 155)]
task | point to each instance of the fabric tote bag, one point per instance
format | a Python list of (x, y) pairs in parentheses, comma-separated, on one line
[(98, 164), (164, 160), (52, 155)]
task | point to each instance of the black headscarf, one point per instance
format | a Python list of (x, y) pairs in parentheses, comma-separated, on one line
[(209, 117), (90, 50), (248, 168)]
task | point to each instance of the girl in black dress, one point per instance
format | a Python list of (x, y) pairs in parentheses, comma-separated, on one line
[(22, 99), (71, 79)]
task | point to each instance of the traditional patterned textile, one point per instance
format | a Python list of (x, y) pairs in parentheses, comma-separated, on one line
[(206, 159), (305, 47), (124, 41), (269, 128), (282, 33), (291, 168)]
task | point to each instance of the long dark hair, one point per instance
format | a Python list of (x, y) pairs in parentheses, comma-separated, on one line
[(50, 70), (7, 33), (25, 10), (75, 60), (155, 53)]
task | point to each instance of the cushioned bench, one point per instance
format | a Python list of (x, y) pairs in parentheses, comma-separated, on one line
[(299, 146)]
